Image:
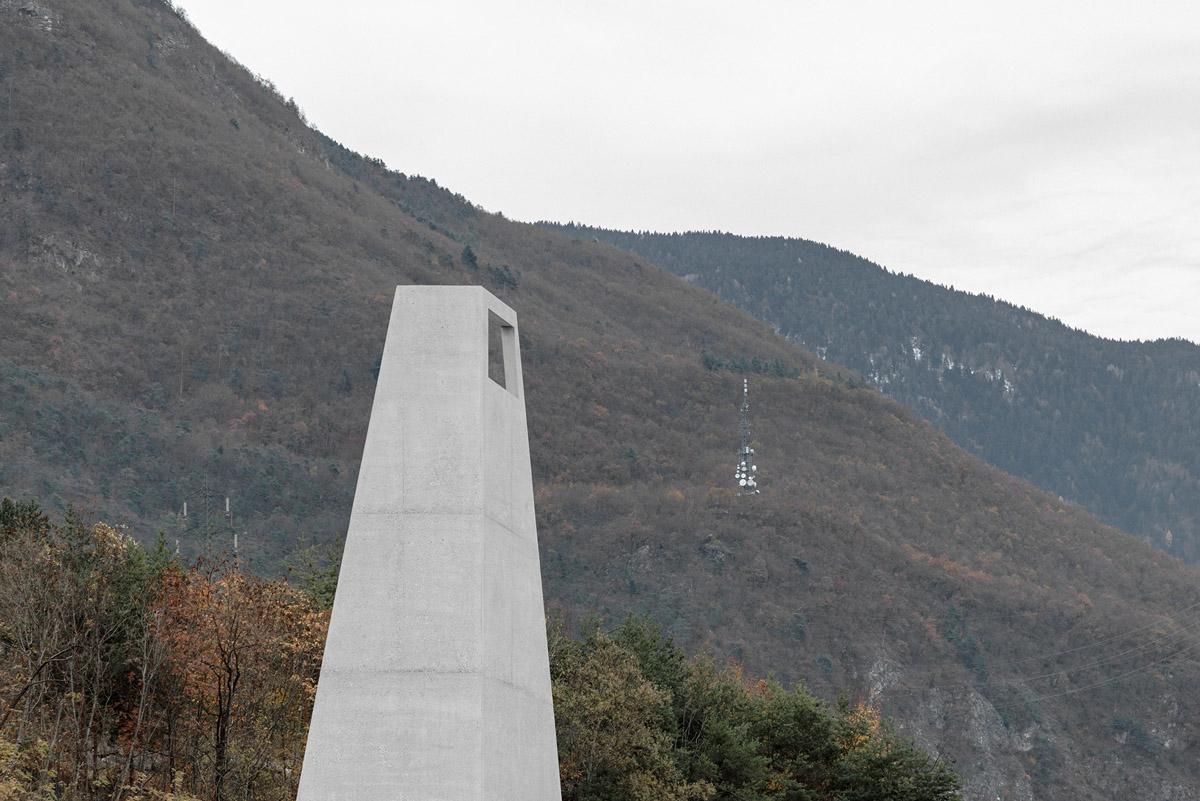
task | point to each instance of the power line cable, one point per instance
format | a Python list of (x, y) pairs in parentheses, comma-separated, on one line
[(1025, 702), (1122, 656)]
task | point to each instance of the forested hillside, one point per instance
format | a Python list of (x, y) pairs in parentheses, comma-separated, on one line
[(195, 289), (1111, 426)]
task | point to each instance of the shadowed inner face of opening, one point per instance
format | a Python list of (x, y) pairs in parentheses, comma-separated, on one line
[(501, 352)]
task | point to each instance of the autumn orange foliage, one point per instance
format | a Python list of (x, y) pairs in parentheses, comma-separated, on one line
[(125, 675)]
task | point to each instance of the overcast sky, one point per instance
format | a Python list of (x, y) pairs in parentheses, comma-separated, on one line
[(1044, 153)]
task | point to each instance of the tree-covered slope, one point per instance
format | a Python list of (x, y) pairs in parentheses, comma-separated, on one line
[(195, 286), (128, 675), (1112, 426)]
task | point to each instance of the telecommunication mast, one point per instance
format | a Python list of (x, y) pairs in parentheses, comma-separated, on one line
[(746, 469)]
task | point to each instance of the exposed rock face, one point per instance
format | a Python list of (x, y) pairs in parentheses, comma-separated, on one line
[(79, 263), (36, 12), (1000, 760), (992, 769), (715, 550)]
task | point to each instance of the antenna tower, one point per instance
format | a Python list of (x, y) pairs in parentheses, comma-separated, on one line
[(746, 469)]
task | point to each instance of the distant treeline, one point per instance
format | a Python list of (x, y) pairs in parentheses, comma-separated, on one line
[(740, 364)]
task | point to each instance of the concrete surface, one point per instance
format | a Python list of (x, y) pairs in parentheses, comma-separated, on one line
[(436, 681)]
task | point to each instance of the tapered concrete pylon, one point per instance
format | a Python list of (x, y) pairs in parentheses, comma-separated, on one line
[(436, 682)]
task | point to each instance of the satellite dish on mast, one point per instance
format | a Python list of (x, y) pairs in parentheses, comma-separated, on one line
[(744, 473)]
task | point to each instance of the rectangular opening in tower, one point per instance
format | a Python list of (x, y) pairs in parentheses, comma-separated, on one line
[(502, 353)]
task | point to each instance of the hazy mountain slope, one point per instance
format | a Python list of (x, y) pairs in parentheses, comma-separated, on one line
[(1112, 426), (186, 299)]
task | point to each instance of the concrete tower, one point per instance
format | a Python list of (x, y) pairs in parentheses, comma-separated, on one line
[(436, 683)]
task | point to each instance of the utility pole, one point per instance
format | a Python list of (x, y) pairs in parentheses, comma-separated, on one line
[(206, 523)]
